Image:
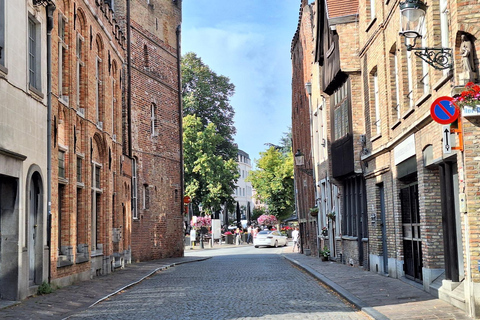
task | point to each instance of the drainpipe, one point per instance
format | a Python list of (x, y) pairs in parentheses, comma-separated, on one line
[(180, 115), (129, 84), (49, 11)]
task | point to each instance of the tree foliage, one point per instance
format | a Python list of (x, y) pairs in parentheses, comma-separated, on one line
[(273, 181), (209, 178), (207, 95)]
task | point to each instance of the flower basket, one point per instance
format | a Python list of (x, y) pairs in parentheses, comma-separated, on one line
[(324, 253), (331, 215), (314, 211), (469, 97), (324, 231), (267, 220)]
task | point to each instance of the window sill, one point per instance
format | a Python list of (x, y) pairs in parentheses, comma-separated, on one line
[(80, 185), (442, 81), (62, 180), (349, 238), (408, 113), (36, 93), (396, 124), (3, 71), (64, 101), (372, 22), (422, 99), (378, 136)]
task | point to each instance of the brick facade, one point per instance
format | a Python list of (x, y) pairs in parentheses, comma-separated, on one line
[(90, 227), (304, 191), (413, 189), (157, 227)]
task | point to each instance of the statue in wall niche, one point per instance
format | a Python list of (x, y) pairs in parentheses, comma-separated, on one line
[(468, 67)]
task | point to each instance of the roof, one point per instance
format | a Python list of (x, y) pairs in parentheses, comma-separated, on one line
[(341, 8)]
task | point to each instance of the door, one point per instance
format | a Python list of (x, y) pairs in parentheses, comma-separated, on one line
[(33, 229), (381, 192), (412, 242)]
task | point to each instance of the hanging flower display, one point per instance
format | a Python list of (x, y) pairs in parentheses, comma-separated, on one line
[(468, 97), (202, 222), (267, 220)]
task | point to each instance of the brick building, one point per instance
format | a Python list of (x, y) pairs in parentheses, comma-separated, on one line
[(91, 178), (153, 98), (408, 204), (301, 49)]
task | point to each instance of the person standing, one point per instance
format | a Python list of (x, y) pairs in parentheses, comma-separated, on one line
[(238, 235), (249, 234), (296, 239)]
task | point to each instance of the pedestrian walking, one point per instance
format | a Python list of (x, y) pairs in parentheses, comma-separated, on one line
[(296, 239)]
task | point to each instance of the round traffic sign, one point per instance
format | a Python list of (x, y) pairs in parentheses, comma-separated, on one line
[(444, 110)]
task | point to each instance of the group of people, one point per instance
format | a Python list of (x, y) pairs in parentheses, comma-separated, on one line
[(252, 232)]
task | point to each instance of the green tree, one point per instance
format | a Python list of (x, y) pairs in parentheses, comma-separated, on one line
[(207, 96), (209, 178), (273, 181)]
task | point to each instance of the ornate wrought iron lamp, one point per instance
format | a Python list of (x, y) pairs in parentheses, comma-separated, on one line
[(412, 18), (300, 162)]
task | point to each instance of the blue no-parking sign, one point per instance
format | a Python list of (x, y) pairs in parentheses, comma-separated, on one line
[(444, 110)]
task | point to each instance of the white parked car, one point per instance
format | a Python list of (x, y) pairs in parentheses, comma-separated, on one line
[(270, 238)]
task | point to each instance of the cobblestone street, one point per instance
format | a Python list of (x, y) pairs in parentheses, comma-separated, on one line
[(246, 283)]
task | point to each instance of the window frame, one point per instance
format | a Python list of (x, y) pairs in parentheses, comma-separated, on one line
[(34, 54)]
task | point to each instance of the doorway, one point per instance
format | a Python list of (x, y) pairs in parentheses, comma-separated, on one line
[(412, 241)]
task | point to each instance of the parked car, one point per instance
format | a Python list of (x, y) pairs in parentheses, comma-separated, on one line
[(270, 238)]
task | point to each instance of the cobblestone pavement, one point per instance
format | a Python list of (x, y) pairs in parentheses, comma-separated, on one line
[(246, 283), (378, 296)]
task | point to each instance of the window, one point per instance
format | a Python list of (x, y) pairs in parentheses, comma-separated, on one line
[(80, 69), (79, 170), (397, 102), (61, 164), (98, 86), (376, 103), (425, 80), (2, 32), (341, 111), (153, 119), (444, 26), (62, 58), (410, 79), (134, 189), (146, 197), (96, 206), (114, 101), (354, 213), (372, 9), (34, 54)]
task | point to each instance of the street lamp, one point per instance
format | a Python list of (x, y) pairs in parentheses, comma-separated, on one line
[(300, 162), (412, 18)]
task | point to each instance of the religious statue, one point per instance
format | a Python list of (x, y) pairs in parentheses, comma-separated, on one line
[(468, 67)]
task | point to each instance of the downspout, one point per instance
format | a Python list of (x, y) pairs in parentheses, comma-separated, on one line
[(180, 114), (129, 84), (49, 10)]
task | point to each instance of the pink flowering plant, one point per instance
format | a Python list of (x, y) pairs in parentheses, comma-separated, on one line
[(267, 220), (469, 97), (202, 222)]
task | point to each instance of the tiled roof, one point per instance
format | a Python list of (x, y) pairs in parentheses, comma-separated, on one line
[(341, 8)]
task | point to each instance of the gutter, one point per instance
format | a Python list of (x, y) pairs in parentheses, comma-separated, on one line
[(129, 84), (49, 11), (180, 116)]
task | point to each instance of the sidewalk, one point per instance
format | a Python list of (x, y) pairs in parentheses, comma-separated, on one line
[(380, 297)]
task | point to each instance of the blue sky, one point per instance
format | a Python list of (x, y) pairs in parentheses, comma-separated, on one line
[(249, 42)]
